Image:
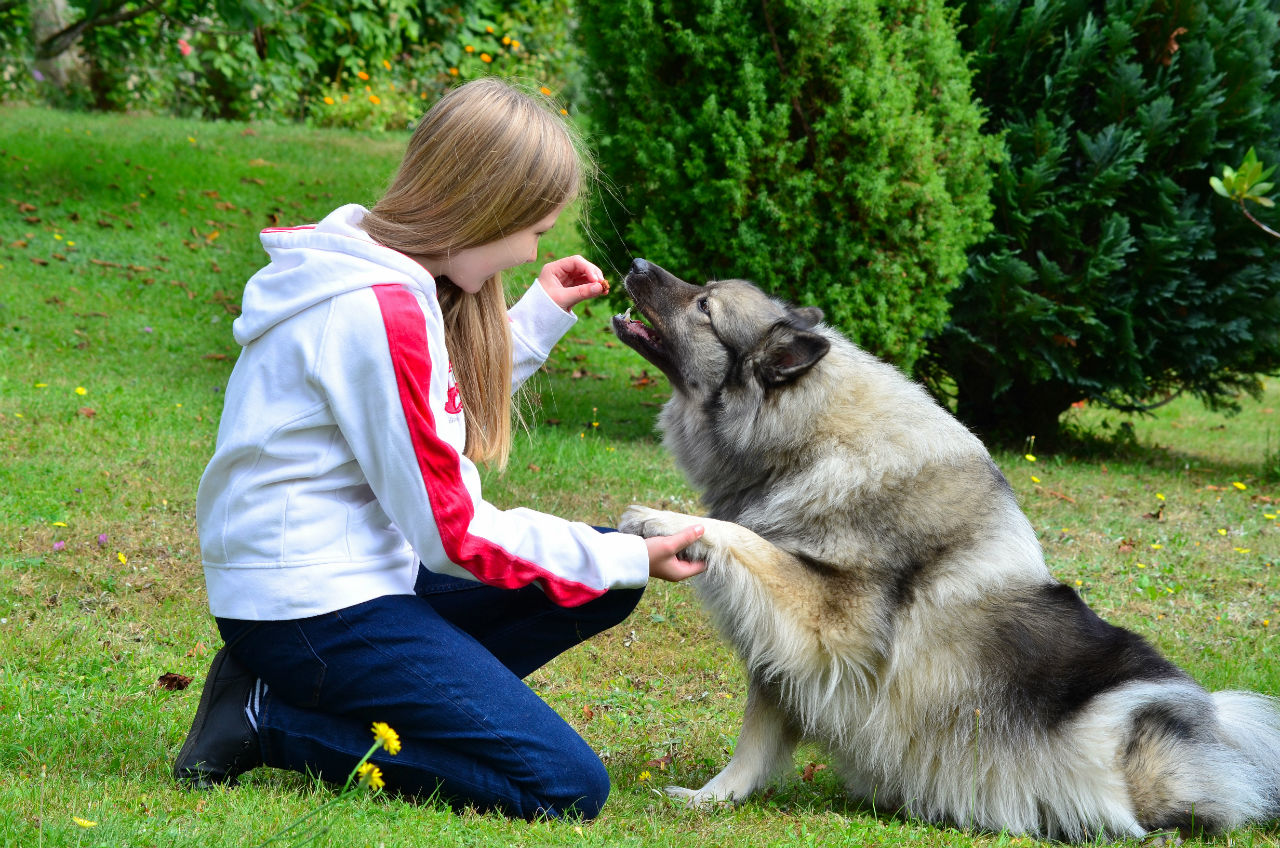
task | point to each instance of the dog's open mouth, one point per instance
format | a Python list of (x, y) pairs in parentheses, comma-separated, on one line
[(637, 328)]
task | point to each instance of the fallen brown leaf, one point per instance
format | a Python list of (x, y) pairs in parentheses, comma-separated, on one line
[(810, 770), (173, 681)]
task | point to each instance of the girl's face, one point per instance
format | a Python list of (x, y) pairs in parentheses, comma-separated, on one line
[(468, 269)]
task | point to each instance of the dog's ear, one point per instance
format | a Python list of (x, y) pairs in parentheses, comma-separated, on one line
[(807, 316), (789, 351)]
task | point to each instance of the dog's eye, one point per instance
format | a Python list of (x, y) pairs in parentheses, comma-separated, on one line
[(704, 306)]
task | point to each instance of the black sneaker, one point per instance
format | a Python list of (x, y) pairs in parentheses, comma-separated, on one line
[(221, 745)]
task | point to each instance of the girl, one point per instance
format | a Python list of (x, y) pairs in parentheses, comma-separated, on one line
[(354, 570)]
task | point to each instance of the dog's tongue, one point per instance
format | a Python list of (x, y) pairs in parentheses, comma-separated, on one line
[(638, 327)]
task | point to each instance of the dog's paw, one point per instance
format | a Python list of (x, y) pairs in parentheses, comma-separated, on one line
[(646, 522), (643, 521), (699, 799)]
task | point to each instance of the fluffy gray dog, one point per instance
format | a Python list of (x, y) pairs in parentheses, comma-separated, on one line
[(891, 602)]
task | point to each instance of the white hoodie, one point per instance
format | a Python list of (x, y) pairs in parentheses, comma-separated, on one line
[(339, 458)]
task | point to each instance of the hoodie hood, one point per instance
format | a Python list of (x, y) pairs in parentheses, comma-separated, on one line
[(313, 263)]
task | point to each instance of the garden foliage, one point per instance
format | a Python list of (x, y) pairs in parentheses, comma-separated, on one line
[(827, 149), (1113, 271), (368, 64)]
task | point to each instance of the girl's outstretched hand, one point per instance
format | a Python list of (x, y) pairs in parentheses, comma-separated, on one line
[(663, 562), (571, 280)]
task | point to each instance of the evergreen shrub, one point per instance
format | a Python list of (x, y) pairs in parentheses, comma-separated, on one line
[(826, 149), (1114, 273)]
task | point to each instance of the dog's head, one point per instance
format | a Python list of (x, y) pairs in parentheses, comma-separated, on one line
[(724, 335)]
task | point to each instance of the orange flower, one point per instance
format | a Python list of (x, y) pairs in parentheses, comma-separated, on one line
[(453, 72), (374, 99), (489, 30), (362, 75), (506, 39), (328, 101), (545, 91), (386, 64), (485, 57)]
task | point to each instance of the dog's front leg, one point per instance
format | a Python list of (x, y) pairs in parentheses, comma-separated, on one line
[(765, 748)]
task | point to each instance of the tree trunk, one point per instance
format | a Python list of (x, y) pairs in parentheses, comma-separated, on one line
[(68, 68)]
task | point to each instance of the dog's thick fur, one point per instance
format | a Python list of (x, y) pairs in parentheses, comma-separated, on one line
[(872, 567)]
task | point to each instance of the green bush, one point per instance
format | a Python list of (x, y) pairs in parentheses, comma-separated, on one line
[(1114, 273), (826, 149), (366, 64)]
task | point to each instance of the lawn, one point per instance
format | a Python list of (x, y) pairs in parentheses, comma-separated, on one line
[(124, 243)]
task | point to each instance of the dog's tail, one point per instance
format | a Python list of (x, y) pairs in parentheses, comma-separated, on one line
[(1249, 727), (1196, 761)]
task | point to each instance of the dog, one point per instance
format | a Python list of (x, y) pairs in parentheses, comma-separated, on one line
[(871, 565)]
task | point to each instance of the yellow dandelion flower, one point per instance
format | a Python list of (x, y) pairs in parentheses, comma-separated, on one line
[(1239, 485), (485, 57), (1222, 531), (1035, 479), (546, 92), (84, 822), (371, 776), (1159, 496), (390, 740), (1142, 565), (81, 390), (1030, 457), (328, 101), (644, 775), (386, 64), (1079, 582), (42, 385), (1243, 550), (71, 244), (362, 75), (58, 236), (375, 99), (1156, 546), (1271, 516), (124, 560)]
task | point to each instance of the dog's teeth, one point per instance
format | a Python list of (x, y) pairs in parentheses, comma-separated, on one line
[(626, 316)]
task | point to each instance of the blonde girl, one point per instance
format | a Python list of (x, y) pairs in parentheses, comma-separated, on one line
[(353, 567)]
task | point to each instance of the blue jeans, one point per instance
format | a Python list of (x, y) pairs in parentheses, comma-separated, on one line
[(443, 668)]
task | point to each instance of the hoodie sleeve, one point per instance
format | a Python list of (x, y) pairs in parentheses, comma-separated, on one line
[(537, 323), (395, 418)]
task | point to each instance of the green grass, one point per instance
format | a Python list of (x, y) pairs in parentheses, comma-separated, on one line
[(115, 282)]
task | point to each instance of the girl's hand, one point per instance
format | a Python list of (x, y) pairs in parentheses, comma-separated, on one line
[(663, 562), (571, 280)]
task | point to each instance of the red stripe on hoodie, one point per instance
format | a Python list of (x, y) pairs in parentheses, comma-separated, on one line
[(439, 463)]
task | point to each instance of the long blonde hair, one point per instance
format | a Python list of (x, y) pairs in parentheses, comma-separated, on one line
[(487, 160)]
